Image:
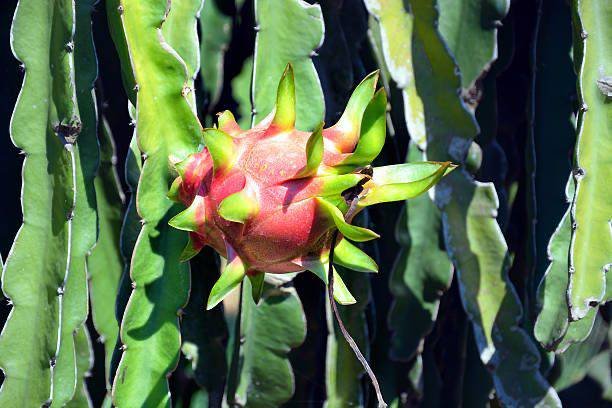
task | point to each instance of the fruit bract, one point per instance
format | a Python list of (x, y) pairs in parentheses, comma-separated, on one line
[(269, 198)]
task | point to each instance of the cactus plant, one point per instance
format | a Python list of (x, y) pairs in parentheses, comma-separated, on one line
[(418, 227), (45, 125), (105, 264), (475, 243), (591, 242), (155, 267), (288, 187)]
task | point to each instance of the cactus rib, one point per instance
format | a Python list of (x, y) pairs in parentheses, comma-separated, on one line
[(295, 46), (165, 123), (45, 125), (104, 264), (591, 209), (472, 236)]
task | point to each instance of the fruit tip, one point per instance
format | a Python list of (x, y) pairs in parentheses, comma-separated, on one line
[(212, 303), (380, 91), (374, 74)]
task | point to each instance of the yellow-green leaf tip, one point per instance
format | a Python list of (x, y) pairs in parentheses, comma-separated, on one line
[(257, 285), (231, 277), (221, 148), (349, 256), (284, 116), (238, 207), (314, 152), (187, 220), (352, 232)]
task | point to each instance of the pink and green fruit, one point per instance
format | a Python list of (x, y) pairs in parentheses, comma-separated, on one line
[(268, 199)]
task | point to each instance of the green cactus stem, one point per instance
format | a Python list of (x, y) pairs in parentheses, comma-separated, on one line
[(591, 242), (469, 29), (45, 124), (130, 229), (165, 124), (105, 264), (472, 235), (215, 32), (275, 46)]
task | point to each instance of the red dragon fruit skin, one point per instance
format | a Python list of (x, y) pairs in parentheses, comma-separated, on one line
[(269, 198)]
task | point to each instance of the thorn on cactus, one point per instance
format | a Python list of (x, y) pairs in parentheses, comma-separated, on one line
[(186, 90)]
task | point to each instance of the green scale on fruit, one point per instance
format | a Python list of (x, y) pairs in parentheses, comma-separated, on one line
[(269, 198)]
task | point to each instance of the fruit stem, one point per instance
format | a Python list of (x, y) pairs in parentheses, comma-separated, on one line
[(345, 333)]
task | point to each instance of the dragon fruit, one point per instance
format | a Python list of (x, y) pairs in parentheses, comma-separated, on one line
[(268, 199)]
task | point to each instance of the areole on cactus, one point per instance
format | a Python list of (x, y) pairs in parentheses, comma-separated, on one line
[(269, 198)]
